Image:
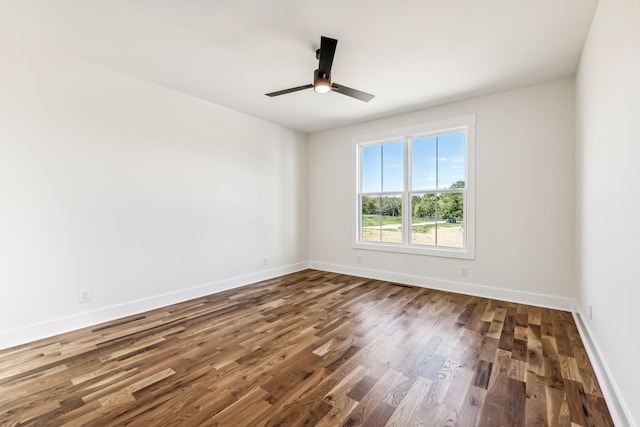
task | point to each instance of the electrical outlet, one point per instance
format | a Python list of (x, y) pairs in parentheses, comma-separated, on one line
[(265, 260), (464, 271), (590, 312), (84, 295), (359, 259)]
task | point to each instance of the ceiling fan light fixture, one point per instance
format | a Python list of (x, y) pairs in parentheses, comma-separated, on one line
[(322, 86), (321, 82)]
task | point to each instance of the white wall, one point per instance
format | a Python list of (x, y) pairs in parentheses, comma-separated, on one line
[(608, 180), (135, 191), (524, 197)]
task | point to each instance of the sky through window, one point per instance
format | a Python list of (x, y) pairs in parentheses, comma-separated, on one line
[(436, 163)]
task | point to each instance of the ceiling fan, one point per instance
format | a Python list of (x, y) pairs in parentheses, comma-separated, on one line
[(322, 76)]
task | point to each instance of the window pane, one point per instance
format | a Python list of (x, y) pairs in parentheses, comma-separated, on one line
[(371, 169), (371, 218), (450, 231), (423, 222), (423, 163), (393, 166), (437, 219), (382, 219), (451, 160)]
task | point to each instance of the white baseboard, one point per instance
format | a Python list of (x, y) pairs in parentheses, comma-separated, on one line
[(617, 406), (36, 331), (540, 300)]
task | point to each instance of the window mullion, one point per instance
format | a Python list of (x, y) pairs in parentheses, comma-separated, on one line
[(406, 202), (437, 188), (380, 218), (381, 190), (381, 169), (437, 164)]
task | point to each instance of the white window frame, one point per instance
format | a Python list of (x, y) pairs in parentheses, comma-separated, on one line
[(406, 134)]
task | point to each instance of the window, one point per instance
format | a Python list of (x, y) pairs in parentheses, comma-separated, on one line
[(414, 191)]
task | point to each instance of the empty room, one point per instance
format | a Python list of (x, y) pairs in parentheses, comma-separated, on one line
[(283, 212)]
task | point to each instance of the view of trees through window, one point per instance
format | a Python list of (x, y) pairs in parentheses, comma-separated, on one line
[(382, 219), (434, 201)]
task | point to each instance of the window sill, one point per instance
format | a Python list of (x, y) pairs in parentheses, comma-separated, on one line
[(415, 250)]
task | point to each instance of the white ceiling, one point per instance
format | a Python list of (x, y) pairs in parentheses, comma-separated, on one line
[(409, 53)]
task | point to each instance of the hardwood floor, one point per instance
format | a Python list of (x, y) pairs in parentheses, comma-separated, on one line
[(311, 348)]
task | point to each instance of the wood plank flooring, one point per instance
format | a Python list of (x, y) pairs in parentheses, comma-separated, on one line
[(311, 348)]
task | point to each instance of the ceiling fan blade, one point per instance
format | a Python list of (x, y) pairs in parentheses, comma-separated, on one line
[(327, 52), (293, 89), (354, 93)]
